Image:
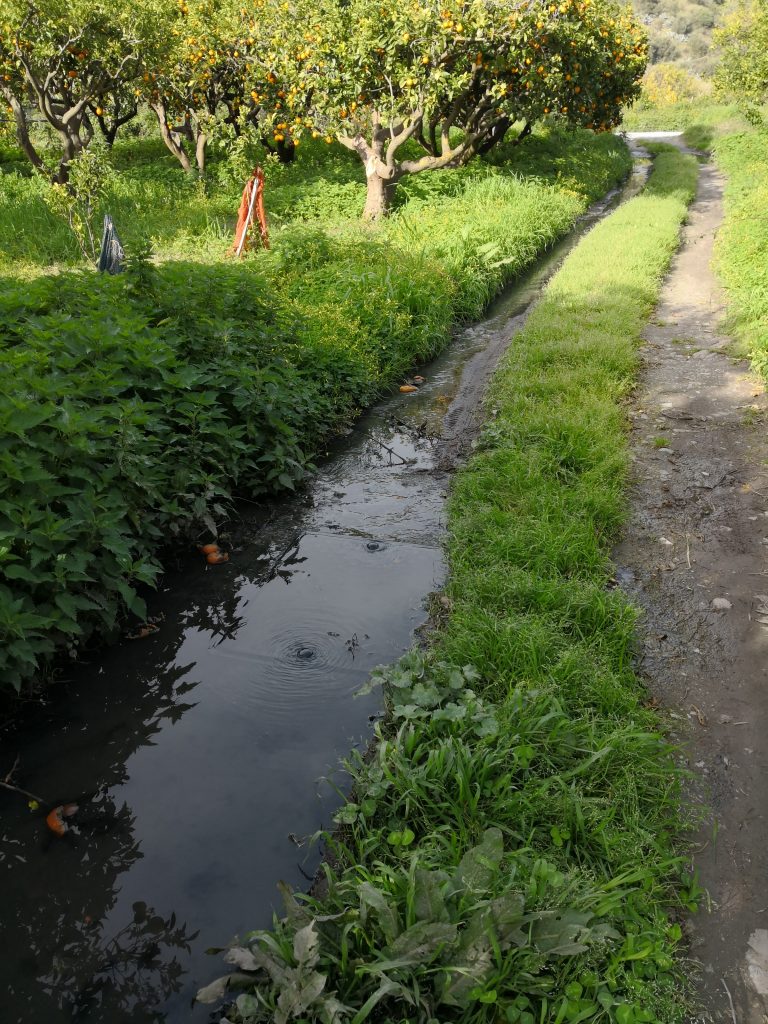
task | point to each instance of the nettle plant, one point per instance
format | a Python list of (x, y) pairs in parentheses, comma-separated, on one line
[(412, 86)]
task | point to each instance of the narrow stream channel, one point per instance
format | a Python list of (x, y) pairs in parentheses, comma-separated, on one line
[(199, 756)]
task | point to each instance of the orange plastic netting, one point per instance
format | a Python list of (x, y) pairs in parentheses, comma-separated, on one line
[(251, 210)]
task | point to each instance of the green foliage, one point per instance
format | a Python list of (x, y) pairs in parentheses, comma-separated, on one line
[(742, 241), (136, 407), (122, 422), (669, 85), (699, 136), (742, 72), (80, 201), (679, 116), (508, 852)]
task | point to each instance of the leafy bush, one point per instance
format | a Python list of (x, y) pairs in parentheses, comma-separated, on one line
[(122, 423), (136, 407), (666, 85)]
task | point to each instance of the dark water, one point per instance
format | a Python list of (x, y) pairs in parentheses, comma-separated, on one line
[(202, 756)]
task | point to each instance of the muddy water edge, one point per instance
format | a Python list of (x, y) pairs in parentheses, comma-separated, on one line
[(201, 757)]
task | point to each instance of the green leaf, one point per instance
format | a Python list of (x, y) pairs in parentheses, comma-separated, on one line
[(479, 865), (219, 988), (133, 602), (306, 946), (385, 913), (428, 901), (347, 815), (16, 571), (418, 944), (624, 1013), (299, 995), (386, 988), (561, 932)]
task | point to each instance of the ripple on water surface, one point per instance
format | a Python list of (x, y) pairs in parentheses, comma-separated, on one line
[(195, 755)]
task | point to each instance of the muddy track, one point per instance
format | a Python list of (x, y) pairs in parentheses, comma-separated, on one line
[(694, 559)]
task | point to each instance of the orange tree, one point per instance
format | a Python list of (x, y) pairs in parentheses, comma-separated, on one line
[(198, 84), (61, 60), (743, 69), (115, 109), (415, 85), (196, 75)]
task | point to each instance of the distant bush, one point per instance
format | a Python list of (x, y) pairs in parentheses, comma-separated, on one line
[(666, 85)]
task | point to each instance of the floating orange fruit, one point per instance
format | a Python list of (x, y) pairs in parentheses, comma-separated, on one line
[(55, 821), (210, 549), (408, 389), (216, 557), (55, 818)]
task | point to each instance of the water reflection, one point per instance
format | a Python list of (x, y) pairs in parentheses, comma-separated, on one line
[(125, 975), (193, 755)]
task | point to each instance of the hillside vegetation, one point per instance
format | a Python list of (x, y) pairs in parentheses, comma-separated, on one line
[(681, 31)]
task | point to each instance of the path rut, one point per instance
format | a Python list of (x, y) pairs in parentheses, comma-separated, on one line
[(694, 559)]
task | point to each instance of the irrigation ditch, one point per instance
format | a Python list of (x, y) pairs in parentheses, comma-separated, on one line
[(201, 757)]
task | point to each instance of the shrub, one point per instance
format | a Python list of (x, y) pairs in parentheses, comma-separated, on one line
[(136, 407)]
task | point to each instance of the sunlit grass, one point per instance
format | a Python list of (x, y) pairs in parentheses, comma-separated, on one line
[(742, 242), (547, 741)]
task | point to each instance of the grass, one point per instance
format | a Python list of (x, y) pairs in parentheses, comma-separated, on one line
[(679, 117), (152, 201), (511, 849), (136, 407), (742, 242)]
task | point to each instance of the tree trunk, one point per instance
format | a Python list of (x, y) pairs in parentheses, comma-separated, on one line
[(495, 136), (22, 132), (286, 151), (201, 143), (72, 146), (378, 201), (170, 138), (109, 129)]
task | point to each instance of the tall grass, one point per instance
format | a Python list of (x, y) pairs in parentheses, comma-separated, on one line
[(679, 116), (743, 241), (152, 201), (510, 851)]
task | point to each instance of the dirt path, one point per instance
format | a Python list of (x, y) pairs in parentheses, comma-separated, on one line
[(694, 559)]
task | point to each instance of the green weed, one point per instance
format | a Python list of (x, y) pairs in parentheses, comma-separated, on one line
[(509, 851), (742, 241), (679, 117)]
